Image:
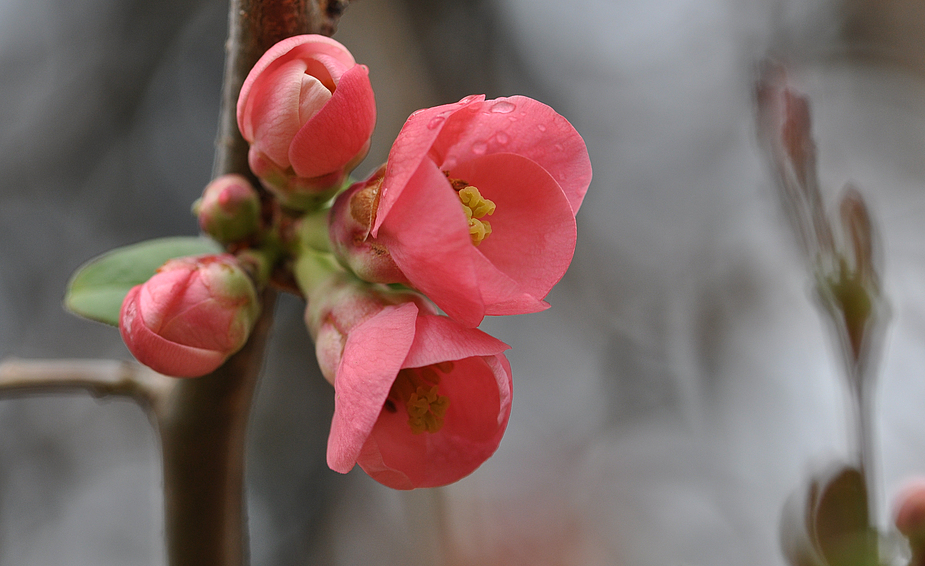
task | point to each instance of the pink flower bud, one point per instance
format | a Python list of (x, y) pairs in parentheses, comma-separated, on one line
[(476, 207), (308, 111), (190, 316), (229, 209), (350, 219), (420, 400)]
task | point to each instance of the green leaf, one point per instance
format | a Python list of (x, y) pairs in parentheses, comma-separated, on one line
[(97, 289)]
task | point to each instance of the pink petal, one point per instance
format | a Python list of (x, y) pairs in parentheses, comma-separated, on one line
[(312, 97), (479, 389), (160, 354), (411, 147), (501, 294), (427, 235), (271, 117), (525, 127), (306, 46), (533, 229), (438, 339), (373, 355), (339, 131)]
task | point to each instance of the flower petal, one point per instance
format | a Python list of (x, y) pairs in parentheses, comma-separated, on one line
[(479, 389), (158, 353), (307, 46), (373, 354), (526, 127), (533, 229), (272, 111), (427, 235), (339, 131), (411, 147), (438, 339)]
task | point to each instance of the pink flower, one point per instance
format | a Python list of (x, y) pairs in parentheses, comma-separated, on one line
[(420, 400), (190, 316), (308, 111), (475, 208)]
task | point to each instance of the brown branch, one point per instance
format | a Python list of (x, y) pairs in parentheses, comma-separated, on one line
[(202, 428)]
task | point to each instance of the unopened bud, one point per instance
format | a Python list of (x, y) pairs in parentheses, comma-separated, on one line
[(229, 209), (192, 315), (858, 231), (351, 218)]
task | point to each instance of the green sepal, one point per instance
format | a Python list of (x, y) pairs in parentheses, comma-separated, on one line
[(97, 288)]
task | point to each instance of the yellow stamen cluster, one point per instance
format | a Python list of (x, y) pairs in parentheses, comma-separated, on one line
[(426, 409), (476, 207), (418, 389)]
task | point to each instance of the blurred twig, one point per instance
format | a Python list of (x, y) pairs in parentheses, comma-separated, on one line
[(100, 378)]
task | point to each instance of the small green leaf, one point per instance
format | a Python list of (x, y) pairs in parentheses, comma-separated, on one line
[(97, 289)]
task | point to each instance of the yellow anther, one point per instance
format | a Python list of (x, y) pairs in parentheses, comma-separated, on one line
[(478, 230), (476, 207), (418, 390), (426, 408)]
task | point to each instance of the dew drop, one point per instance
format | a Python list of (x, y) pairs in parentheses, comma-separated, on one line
[(558, 147), (479, 147), (541, 127), (502, 138), (503, 107), (470, 98), (435, 122)]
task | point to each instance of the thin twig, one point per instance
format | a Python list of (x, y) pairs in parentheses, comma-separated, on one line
[(99, 378)]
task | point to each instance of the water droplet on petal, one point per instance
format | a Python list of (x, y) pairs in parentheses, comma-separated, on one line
[(541, 127), (558, 147), (435, 122), (502, 138), (468, 99), (503, 107), (479, 147)]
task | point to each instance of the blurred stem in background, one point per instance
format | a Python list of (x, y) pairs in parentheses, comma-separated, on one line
[(842, 256)]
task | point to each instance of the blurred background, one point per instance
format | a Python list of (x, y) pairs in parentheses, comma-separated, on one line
[(682, 386)]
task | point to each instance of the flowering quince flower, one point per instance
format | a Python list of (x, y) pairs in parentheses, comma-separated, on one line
[(475, 207), (420, 400), (188, 318), (308, 111)]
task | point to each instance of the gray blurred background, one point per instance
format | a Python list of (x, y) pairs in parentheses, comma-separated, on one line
[(679, 390)]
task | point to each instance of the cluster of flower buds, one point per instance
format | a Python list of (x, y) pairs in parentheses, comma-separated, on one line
[(474, 214)]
